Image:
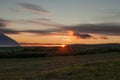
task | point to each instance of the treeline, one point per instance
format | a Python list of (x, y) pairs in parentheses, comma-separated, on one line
[(71, 50)]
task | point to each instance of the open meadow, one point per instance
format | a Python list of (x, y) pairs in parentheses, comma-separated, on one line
[(80, 63)]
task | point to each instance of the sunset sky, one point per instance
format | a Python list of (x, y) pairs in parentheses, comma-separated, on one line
[(61, 21)]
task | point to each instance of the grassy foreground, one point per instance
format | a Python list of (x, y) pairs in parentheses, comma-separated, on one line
[(83, 67)]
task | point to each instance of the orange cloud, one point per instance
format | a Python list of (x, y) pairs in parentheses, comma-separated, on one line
[(79, 35)]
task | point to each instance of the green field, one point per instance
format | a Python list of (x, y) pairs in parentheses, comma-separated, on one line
[(82, 67)]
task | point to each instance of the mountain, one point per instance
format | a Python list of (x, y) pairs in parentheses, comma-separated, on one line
[(6, 41)]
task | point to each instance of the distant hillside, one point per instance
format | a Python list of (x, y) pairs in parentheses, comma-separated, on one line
[(96, 45), (70, 50)]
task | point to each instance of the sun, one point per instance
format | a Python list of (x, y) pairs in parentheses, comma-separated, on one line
[(63, 46)]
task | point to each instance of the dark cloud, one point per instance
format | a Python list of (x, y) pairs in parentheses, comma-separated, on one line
[(104, 37), (42, 32), (4, 29), (34, 8), (57, 31), (43, 22), (104, 29), (9, 31), (4, 23), (83, 36), (83, 31)]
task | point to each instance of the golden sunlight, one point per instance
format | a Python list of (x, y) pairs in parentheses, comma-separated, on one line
[(63, 46)]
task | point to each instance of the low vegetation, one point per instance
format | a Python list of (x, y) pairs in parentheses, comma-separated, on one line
[(83, 67), (73, 62), (70, 50)]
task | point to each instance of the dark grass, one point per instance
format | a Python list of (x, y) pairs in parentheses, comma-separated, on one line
[(83, 67), (74, 62)]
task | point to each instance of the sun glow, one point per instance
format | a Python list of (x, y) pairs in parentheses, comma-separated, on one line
[(63, 46)]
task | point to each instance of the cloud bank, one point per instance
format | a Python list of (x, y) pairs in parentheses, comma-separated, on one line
[(4, 23), (81, 31), (9, 31), (103, 28), (41, 22)]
